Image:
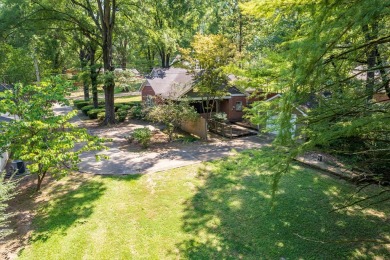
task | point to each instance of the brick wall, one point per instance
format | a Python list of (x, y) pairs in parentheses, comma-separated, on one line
[(235, 114), (147, 91)]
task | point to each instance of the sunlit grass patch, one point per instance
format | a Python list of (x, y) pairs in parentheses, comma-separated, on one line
[(217, 210)]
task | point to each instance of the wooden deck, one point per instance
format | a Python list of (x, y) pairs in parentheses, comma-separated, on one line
[(229, 130)]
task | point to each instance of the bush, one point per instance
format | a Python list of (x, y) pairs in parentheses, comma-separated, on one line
[(136, 112), (220, 117), (85, 109), (142, 136), (81, 103), (117, 106), (100, 116), (121, 115), (78, 101), (93, 113)]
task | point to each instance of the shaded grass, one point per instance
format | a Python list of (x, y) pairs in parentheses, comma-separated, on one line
[(218, 210)]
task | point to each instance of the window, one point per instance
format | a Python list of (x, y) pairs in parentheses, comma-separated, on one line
[(149, 101), (239, 106)]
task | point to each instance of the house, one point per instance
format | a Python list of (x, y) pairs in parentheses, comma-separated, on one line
[(177, 84)]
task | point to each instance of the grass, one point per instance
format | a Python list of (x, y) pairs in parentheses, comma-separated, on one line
[(126, 99), (218, 210)]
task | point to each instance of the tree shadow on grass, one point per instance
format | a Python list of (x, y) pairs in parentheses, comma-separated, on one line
[(67, 209), (230, 216)]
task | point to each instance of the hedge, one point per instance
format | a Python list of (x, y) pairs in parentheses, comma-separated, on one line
[(81, 104), (93, 113), (85, 109)]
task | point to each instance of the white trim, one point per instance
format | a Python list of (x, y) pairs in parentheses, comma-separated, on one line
[(303, 113), (272, 98), (202, 98)]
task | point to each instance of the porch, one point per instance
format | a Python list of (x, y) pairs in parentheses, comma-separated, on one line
[(229, 130)]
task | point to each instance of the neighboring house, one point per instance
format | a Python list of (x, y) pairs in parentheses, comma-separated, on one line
[(297, 112), (4, 87), (177, 84)]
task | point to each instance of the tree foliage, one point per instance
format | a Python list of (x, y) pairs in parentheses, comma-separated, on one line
[(334, 63), (47, 141), (172, 114), (208, 57)]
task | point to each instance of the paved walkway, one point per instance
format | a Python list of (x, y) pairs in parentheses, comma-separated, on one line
[(154, 160), (123, 160)]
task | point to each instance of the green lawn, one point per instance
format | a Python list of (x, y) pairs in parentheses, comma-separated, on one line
[(220, 210), (127, 99)]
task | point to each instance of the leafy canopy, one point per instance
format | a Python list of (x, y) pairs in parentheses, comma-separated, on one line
[(46, 140)]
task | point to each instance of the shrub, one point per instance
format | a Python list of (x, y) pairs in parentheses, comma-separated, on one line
[(142, 136), (78, 101), (117, 106), (121, 115), (100, 116), (136, 112), (122, 112), (93, 113), (85, 109), (172, 115), (80, 104), (220, 117)]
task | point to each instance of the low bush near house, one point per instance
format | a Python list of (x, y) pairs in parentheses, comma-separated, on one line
[(142, 136), (136, 112), (220, 117)]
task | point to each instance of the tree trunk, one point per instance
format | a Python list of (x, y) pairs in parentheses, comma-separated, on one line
[(40, 179), (371, 61), (150, 56), (107, 14), (384, 76), (36, 66), (124, 55), (83, 56), (162, 56), (94, 72), (167, 56), (240, 33)]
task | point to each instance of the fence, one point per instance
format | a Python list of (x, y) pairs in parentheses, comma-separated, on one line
[(229, 130), (197, 127)]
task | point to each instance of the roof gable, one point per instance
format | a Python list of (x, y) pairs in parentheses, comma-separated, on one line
[(173, 82)]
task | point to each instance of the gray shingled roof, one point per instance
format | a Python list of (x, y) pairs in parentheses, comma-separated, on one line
[(173, 82), (5, 119), (4, 87), (176, 82)]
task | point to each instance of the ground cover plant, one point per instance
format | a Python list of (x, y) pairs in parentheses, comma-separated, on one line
[(217, 210)]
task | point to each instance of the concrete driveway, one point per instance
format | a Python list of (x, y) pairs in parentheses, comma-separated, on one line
[(154, 160), (131, 159)]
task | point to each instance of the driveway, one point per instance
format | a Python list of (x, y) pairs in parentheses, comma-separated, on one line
[(127, 158), (154, 160)]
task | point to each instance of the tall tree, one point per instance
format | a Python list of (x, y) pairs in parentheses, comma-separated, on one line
[(328, 57), (208, 57), (44, 139)]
